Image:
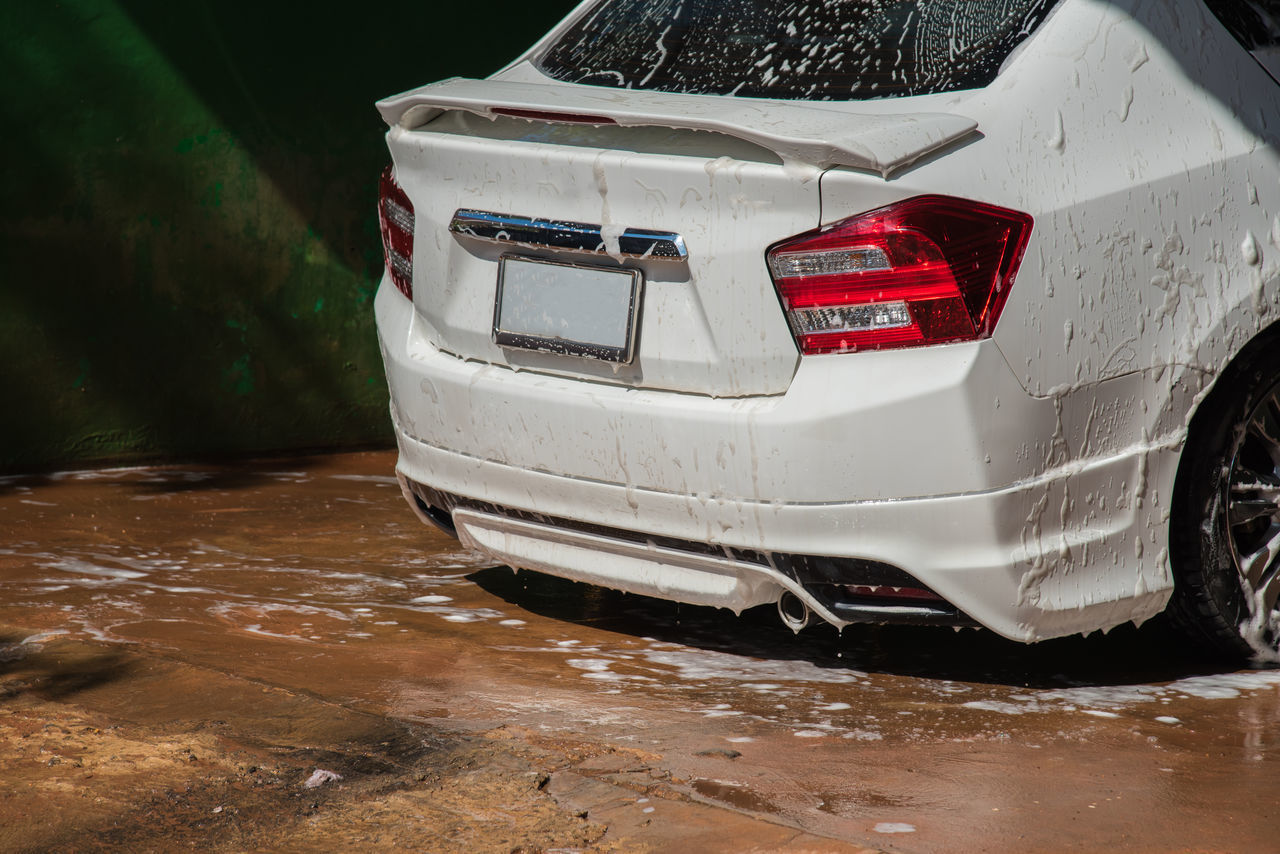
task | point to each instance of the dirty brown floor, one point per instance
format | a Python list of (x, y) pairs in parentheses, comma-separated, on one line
[(182, 649), (105, 749)]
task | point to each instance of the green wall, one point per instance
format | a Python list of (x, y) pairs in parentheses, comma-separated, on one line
[(188, 242)]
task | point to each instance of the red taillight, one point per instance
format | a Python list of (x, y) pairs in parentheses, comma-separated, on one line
[(928, 270), (547, 116), (395, 220), (885, 592)]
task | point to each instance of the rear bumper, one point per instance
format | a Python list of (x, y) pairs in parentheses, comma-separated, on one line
[(931, 461)]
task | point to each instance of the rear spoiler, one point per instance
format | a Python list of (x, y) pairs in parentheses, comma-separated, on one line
[(796, 131)]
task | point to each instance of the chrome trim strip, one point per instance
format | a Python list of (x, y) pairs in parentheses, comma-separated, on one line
[(511, 230), (902, 615)]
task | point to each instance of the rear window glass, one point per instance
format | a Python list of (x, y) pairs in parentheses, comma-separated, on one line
[(820, 50), (1254, 23)]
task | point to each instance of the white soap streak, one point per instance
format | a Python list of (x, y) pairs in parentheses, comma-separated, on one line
[(1104, 701), (895, 827)]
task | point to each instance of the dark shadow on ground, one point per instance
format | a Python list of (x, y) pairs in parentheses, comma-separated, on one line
[(190, 477), (26, 668), (1127, 655)]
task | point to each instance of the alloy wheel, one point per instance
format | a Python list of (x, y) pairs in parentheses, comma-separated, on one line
[(1253, 504)]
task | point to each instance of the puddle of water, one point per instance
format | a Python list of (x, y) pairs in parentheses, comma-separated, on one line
[(734, 794), (320, 578)]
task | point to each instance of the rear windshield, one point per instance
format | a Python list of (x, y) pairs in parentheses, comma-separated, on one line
[(823, 50), (1254, 23)]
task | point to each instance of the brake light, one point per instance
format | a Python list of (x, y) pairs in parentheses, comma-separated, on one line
[(548, 116), (929, 270), (395, 221)]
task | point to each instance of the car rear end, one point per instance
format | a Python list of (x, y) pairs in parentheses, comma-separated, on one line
[(657, 323)]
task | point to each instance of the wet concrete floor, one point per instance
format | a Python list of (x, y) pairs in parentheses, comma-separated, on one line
[(182, 648)]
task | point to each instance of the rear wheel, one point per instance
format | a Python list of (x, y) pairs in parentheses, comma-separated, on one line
[(1225, 525)]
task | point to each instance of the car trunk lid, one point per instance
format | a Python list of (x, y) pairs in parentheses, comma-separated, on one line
[(726, 181), (797, 131)]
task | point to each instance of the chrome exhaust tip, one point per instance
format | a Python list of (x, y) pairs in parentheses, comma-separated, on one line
[(795, 614)]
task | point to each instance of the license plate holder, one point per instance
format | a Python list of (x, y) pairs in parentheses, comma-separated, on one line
[(570, 309)]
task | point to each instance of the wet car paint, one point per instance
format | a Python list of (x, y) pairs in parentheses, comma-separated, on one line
[(310, 575)]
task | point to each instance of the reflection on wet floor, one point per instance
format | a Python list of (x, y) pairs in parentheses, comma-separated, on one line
[(312, 574)]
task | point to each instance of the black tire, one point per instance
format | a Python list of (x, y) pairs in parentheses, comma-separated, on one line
[(1224, 541)]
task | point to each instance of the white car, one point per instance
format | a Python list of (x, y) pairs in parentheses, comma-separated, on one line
[(927, 311)]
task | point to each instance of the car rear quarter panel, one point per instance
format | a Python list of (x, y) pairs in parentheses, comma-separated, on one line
[(1137, 136), (1140, 137)]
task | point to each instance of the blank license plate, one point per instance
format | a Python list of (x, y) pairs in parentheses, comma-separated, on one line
[(566, 308)]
